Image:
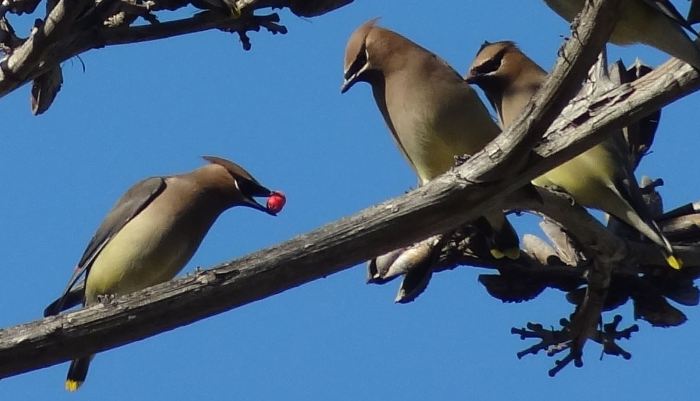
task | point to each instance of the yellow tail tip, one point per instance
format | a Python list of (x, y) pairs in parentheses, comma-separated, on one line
[(512, 253), (674, 262), (73, 385)]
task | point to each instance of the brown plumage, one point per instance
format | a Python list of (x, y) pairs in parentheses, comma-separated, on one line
[(432, 114), (153, 231), (601, 177)]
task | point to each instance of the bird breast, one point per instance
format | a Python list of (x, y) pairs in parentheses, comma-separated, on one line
[(434, 123), (152, 248)]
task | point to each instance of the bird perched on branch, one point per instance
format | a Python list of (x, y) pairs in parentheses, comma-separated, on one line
[(433, 115), (153, 231), (656, 23), (601, 177)]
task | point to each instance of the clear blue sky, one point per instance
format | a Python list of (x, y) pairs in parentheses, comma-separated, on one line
[(154, 108)]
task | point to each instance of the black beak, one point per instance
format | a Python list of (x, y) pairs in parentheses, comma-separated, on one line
[(252, 190), (348, 83), (352, 75), (472, 77), (252, 203)]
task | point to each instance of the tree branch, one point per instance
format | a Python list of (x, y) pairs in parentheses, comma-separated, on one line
[(72, 27), (200, 22)]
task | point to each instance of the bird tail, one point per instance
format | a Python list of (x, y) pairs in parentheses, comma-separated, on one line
[(504, 239), (635, 212), (77, 373), (66, 301), (651, 230), (672, 260)]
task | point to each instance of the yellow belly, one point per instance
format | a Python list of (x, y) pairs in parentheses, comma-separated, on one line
[(587, 178), (139, 256)]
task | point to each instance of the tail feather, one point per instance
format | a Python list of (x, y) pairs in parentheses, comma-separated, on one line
[(671, 259), (651, 230), (77, 373), (504, 238), (634, 211), (70, 299)]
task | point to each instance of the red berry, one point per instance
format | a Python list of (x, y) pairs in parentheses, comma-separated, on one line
[(276, 202)]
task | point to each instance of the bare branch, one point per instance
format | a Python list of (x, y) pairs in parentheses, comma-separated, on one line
[(76, 26)]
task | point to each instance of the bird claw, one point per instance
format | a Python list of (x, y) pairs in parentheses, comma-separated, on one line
[(106, 299), (555, 341), (461, 159)]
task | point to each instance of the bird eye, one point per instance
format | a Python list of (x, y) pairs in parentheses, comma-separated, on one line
[(490, 65), (360, 61)]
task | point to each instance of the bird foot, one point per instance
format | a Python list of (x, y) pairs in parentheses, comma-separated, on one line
[(461, 159), (555, 341), (106, 299)]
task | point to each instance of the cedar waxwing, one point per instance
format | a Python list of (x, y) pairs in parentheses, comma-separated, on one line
[(601, 177), (153, 231), (431, 112), (656, 23)]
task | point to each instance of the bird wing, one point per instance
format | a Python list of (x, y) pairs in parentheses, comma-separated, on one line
[(628, 188), (668, 9), (379, 93), (624, 181), (127, 207)]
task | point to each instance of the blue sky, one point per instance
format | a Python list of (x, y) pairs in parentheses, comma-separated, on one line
[(154, 108)]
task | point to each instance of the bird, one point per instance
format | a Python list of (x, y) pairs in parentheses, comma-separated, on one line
[(152, 232), (656, 23), (600, 178), (432, 114)]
